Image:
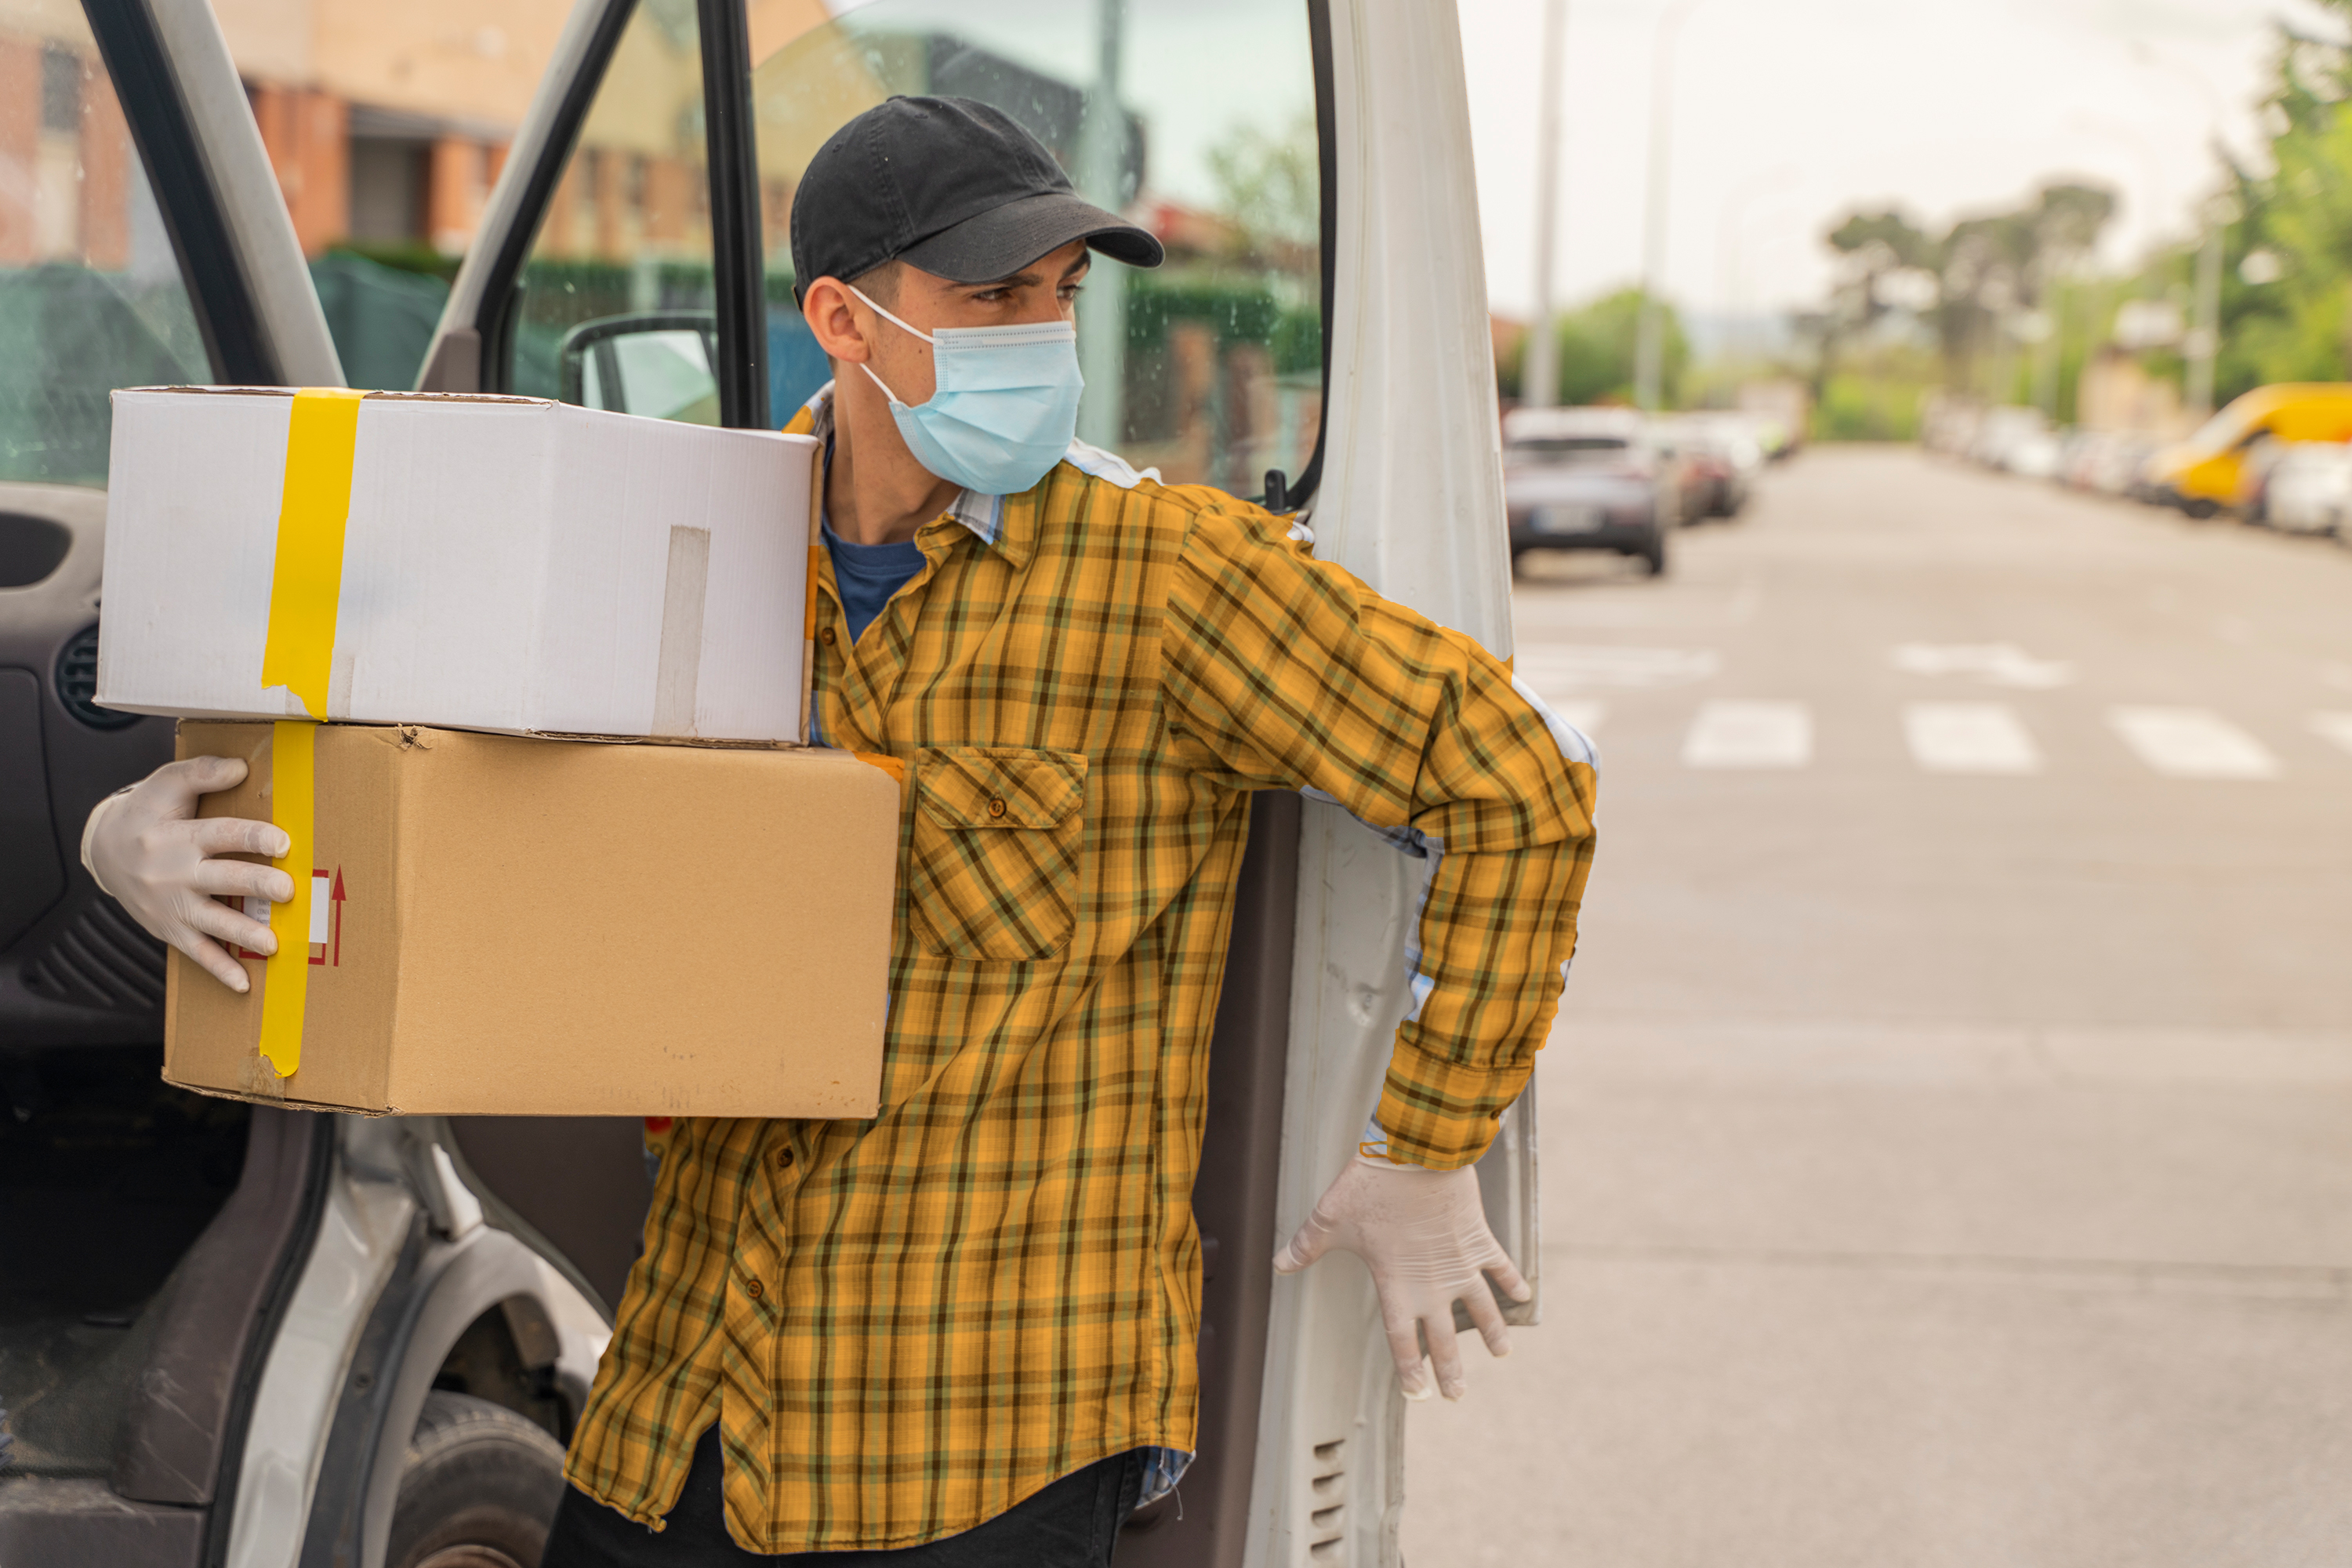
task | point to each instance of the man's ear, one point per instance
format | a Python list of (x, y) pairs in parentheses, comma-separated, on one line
[(824, 305)]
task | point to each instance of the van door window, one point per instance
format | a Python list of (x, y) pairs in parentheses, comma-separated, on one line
[(1197, 121), (616, 295), (90, 294)]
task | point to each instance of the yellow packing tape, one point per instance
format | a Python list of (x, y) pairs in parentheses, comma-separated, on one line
[(286, 981), (305, 586), (307, 580)]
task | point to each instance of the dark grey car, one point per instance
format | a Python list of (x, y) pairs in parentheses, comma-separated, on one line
[(1585, 479)]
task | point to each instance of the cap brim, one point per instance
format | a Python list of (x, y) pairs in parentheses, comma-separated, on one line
[(1003, 240)]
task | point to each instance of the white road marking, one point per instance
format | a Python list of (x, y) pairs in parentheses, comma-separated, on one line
[(1968, 738), (1553, 667), (2336, 727), (2192, 743), (1999, 663), (1749, 735)]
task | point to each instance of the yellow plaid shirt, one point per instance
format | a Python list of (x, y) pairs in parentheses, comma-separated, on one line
[(906, 1325)]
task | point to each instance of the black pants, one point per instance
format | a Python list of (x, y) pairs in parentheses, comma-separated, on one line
[(1072, 1524)]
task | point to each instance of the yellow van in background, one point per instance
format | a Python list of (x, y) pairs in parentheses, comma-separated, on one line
[(2208, 471)]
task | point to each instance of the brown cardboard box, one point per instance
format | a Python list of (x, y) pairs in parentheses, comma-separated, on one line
[(532, 927)]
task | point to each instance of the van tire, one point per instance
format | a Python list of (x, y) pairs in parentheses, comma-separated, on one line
[(1653, 559), (479, 1489)]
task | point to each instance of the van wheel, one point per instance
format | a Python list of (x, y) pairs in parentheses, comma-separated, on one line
[(1654, 558), (478, 1490)]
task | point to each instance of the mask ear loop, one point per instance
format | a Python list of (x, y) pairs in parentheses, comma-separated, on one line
[(894, 400)]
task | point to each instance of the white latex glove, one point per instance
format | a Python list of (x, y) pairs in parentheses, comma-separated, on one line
[(1424, 1234), (149, 850)]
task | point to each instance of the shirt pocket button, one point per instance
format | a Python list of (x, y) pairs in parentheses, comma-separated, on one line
[(996, 808)]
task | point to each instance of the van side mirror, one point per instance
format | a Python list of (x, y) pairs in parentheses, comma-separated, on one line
[(660, 364)]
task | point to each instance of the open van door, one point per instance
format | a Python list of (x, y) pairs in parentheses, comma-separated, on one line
[(266, 1380), (1317, 340), (225, 1331)]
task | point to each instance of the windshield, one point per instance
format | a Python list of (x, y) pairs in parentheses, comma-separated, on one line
[(1576, 451), (91, 297), (1194, 118)]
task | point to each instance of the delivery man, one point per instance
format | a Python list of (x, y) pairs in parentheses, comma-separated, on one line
[(963, 1332)]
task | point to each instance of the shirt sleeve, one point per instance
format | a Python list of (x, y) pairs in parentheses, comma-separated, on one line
[(1279, 670)]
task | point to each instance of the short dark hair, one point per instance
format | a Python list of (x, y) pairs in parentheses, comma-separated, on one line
[(881, 282)]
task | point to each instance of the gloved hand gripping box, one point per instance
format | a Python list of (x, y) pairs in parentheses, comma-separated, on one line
[(513, 926), (480, 562)]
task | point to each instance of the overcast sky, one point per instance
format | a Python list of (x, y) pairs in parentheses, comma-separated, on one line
[(1787, 113)]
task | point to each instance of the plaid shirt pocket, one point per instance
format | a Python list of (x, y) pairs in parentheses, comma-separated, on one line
[(992, 862)]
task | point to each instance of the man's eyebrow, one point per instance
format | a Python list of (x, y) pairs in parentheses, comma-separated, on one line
[(1085, 261), (1024, 280)]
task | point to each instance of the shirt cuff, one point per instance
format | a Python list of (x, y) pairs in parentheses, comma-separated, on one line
[(1441, 1116)]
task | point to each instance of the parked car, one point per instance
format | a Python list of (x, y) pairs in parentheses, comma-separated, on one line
[(2120, 466), (1725, 457), (264, 1336), (2307, 488), (2016, 440), (1589, 478), (1779, 414), (2209, 472)]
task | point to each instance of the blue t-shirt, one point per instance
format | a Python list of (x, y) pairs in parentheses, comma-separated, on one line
[(867, 574)]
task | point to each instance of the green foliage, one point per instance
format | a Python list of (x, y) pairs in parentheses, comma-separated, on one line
[(1982, 271), (1268, 185), (382, 318), (1857, 406), (1597, 348), (2295, 327), (1239, 312), (401, 255)]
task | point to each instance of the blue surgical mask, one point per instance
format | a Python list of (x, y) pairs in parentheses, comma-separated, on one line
[(1003, 407)]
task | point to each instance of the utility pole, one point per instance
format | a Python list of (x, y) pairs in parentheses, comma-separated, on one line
[(1102, 177), (1540, 366), (1650, 345), (1730, 241), (2204, 341)]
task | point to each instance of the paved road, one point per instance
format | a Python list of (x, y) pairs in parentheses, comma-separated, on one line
[(1949, 1135)]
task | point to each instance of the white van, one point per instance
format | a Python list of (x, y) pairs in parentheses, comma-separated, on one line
[(264, 1338)]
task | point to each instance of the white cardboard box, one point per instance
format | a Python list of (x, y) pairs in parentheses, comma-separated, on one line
[(507, 563)]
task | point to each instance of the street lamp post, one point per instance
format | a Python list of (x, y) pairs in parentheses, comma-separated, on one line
[(2204, 340), (1650, 347), (1539, 367), (1730, 240), (1102, 176)]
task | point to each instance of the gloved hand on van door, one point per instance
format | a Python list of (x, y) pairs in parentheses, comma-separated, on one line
[(150, 852), (1424, 1234)]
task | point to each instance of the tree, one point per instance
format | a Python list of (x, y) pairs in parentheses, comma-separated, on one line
[(1871, 247), (1596, 351), (1981, 271), (1268, 185)]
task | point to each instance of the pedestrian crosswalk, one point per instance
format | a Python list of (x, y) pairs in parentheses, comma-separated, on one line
[(2192, 743), (1968, 738), (1992, 739), (1749, 735)]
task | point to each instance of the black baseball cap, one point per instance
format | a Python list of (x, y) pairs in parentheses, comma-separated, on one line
[(948, 184)]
